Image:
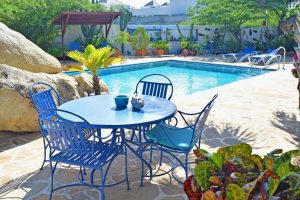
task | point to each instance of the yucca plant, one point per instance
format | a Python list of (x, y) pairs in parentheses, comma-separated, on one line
[(94, 59)]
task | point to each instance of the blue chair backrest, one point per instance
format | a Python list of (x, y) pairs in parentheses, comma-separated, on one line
[(45, 98), (65, 135), (248, 50), (155, 85), (201, 119), (73, 46), (272, 51)]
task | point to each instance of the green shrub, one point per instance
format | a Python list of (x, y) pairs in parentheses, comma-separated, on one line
[(231, 45), (57, 52), (183, 43), (94, 40), (160, 44), (140, 39)]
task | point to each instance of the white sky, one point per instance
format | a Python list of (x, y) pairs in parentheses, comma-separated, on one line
[(139, 3)]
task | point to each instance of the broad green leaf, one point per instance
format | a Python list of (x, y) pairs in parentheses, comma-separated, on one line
[(227, 152), (218, 160), (235, 192), (283, 170), (272, 186), (268, 162), (89, 49), (276, 151), (203, 172)]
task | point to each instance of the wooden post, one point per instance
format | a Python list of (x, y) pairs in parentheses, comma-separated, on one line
[(64, 24)]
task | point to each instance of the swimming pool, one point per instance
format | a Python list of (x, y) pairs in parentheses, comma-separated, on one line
[(187, 77)]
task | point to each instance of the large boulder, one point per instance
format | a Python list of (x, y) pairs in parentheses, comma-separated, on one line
[(16, 110), (18, 51)]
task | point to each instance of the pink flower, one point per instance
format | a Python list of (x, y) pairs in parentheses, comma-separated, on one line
[(295, 58)]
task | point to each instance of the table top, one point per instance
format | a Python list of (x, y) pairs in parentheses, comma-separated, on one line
[(100, 111)]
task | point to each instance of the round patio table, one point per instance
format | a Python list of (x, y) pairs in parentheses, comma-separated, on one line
[(100, 111)]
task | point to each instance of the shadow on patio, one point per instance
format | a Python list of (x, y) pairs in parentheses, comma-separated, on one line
[(288, 122)]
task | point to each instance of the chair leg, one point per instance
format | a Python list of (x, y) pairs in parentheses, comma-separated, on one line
[(45, 150), (52, 168), (160, 158), (186, 165), (140, 151), (126, 167)]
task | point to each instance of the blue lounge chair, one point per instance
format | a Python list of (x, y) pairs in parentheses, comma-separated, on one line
[(68, 145), (266, 58), (241, 56), (173, 140)]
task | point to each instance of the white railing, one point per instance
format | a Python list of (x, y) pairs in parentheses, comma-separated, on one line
[(271, 56)]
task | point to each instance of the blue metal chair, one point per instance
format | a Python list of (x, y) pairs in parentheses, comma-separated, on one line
[(155, 85), (171, 139), (44, 96), (69, 145)]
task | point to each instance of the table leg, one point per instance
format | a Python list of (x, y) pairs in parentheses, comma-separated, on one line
[(139, 154)]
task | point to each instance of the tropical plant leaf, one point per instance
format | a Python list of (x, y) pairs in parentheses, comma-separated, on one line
[(227, 152), (268, 162), (75, 68), (209, 195), (218, 160), (272, 186), (215, 180), (203, 171), (235, 192), (282, 171), (276, 151), (89, 49)]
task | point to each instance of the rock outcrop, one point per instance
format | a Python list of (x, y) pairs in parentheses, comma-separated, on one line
[(16, 110), (17, 51)]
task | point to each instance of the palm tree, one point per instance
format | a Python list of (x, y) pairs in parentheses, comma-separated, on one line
[(94, 59)]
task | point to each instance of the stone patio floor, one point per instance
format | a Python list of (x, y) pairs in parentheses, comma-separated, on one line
[(261, 111)]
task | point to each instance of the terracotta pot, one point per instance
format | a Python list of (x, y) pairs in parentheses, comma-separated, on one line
[(192, 53), (158, 52), (190, 189), (141, 52), (117, 53), (185, 52), (166, 51)]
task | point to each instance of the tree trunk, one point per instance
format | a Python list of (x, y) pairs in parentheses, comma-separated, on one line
[(96, 85)]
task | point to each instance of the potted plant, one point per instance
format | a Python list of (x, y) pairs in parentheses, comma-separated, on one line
[(194, 48), (235, 173), (160, 47), (183, 44), (94, 59), (140, 42)]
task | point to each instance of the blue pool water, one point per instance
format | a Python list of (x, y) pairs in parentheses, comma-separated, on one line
[(187, 77)]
